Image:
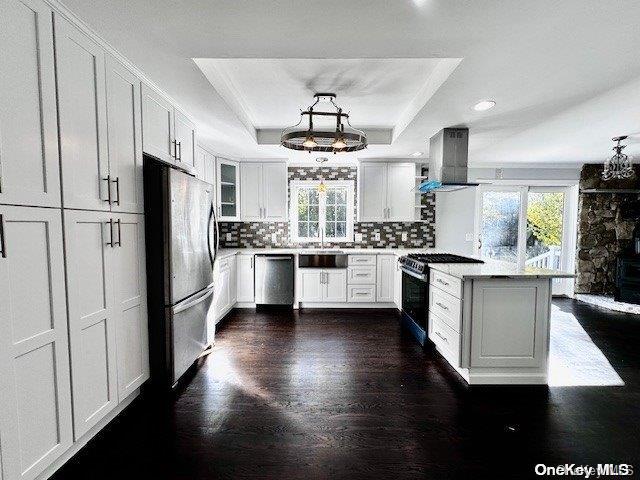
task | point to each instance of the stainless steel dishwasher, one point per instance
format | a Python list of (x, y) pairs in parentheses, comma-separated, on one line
[(274, 279)]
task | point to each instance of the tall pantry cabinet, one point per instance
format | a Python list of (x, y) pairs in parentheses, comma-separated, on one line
[(73, 315)]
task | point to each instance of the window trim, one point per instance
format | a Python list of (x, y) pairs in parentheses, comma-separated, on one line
[(296, 185)]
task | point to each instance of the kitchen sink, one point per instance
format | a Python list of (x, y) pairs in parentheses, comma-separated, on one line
[(323, 259)]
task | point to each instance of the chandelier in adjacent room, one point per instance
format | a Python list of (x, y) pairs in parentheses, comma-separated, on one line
[(619, 165), (324, 131)]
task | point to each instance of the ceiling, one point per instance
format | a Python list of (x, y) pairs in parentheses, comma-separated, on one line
[(565, 75)]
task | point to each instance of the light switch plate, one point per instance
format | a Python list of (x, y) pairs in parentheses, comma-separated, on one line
[(357, 237), (404, 236), (228, 237), (274, 237), (468, 237)]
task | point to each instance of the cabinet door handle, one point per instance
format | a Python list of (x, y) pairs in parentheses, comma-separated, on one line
[(179, 152), (108, 180), (110, 242), (252, 258), (119, 223), (117, 182), (3, 246), (444, 307), (175, 149), (438, 334)]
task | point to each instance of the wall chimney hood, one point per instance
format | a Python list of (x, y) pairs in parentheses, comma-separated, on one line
[(448, 158)]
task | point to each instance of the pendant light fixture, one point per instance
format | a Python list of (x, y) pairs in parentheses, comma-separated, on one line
[(322, 187), (332, 131), (619, 165)]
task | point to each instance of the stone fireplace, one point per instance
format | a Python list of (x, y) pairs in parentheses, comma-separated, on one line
[(605, 227)]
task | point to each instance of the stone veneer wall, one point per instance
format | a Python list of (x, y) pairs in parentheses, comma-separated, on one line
[(259, 234), (605, 226)]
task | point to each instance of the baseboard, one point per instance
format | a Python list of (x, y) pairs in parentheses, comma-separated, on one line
[(352, 305), (79, 444)]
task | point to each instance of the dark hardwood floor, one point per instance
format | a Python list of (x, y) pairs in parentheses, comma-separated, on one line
[(346, 394)]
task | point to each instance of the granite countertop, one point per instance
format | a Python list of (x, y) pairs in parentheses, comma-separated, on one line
[(494, 268), (489, 269)]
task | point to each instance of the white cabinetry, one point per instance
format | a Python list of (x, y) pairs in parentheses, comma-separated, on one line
[(322, 285), (29, 166), (35, 392), (491, 330), (185, 137), (168, 133), (245, 279), (386, 192), (228, 189), (264, 191), (83, 119), (225, 286), (385, 270), (157, 123), (103, 255), (205, 164), (124, 138), (397, 283), (132, 337)]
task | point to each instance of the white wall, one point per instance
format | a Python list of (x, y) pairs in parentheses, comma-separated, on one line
[(455, 219)]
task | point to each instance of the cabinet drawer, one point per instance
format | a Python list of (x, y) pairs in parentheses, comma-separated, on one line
[(365, 275), (364, 293), (362, 260), (447, 341), (446, 306), (449, 284)]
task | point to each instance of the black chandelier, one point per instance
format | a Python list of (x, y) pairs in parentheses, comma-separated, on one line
[(335, 137)]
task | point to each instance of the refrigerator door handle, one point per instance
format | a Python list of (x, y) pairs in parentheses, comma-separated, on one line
[(211, 217), (202, 296)]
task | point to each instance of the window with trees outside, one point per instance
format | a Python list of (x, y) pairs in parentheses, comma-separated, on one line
[(317, 214)]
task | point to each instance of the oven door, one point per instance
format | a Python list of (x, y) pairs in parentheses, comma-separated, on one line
[(415, 298)]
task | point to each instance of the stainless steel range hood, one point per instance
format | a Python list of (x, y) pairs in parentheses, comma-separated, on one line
[(448, 158)]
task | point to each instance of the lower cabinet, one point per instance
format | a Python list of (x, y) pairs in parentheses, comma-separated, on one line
[(107, 311), (322, 285), (385, 268), (225, 295), (397, 283), (245, 286), (35, 391)]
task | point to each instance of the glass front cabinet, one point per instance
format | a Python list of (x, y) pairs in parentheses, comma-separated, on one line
[(228, 191)]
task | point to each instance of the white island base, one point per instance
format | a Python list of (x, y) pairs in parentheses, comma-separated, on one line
[(492, 329)]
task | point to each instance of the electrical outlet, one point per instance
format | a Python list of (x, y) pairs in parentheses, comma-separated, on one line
[(228, 237), (499, 173), (274, 238), (404, 236), (357, 237), (376, 237), (468, 237)]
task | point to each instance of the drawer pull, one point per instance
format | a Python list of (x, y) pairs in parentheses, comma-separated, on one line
[(438, 334), (439, 280), (444, 307), (362, 274), (360, 294)]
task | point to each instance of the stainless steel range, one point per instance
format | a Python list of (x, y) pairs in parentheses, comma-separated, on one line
[(415, 288)]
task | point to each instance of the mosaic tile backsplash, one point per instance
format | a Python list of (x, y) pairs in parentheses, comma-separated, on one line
[(276, 234)]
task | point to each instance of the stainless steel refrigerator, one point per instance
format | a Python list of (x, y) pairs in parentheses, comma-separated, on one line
[(181, 241)]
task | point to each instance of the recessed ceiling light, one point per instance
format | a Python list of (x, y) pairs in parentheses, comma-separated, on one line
[(416, 154), (484, 105)]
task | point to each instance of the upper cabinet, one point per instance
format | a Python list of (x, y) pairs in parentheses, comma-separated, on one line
[(205, 164), (100, 126), (29, 166), (124, 138), (386, 192), (83, 119), (168, 134), (157, 120), (264, 191), (228, 189), (185, 138)]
